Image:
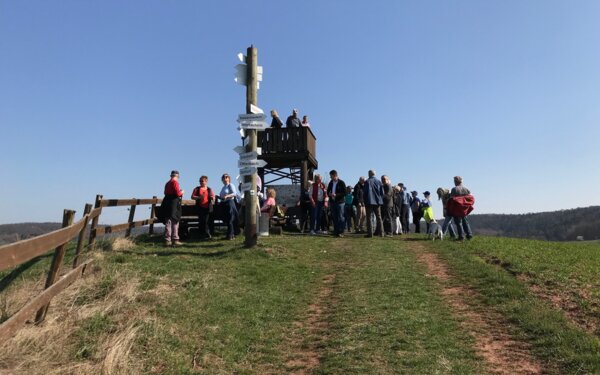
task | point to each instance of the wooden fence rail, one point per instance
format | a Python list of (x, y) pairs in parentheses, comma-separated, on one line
[(17, 253)]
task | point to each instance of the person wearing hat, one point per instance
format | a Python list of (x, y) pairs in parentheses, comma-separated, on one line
[(293, 121), (171, 209), (415, 207)]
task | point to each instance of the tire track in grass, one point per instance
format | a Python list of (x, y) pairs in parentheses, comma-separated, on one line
[(502, 353), (310, 333)]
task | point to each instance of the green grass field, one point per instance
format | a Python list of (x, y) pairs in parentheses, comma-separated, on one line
[(300, 304)]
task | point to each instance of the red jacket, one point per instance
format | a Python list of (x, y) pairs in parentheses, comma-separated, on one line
[(460, 206), (172, 188)]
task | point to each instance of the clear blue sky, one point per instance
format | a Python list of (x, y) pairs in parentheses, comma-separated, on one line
[(109, 96)]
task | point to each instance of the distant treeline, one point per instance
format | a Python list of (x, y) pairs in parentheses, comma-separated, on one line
[(22, 231), (565, 225)]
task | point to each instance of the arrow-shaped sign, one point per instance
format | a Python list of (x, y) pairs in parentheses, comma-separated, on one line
[(257, 125), (247, 171), (239, 149), (241, 71), (247, 117), (246, 186), (255, 109), (249, 155), (251, 163)]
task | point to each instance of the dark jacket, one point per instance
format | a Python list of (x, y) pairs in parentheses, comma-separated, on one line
[(170, 208), (388, 195), (373, 192), (340, 191), (276, 122), (359, 198), (293, 122)]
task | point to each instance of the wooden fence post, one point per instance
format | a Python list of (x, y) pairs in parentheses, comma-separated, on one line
[(152, 216), (130, 220), (57, 260), (86, 211), (92, 240)]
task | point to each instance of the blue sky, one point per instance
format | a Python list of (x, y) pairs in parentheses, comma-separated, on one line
[(107, 97)]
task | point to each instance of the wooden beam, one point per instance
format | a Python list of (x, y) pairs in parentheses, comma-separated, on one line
[(13, 254), (9, 327), (57, 261)]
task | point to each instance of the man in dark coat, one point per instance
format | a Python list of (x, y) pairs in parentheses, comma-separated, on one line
[(388, 205), (373, 197), (336, 190), (293, 121), (359, 202)]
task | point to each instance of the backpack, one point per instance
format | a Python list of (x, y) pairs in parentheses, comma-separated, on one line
[(460, 205)]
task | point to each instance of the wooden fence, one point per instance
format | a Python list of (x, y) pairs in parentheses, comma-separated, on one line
[(15, 254)]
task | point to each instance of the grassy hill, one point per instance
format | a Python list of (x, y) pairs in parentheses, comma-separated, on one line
[(303, 304)]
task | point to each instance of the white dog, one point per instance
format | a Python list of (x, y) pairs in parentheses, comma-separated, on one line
[(435, 231)]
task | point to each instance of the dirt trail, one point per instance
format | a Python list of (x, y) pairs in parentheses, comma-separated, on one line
[(502, 353), (310, 332)]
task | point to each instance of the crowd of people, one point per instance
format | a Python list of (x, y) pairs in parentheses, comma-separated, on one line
[(373, 207)]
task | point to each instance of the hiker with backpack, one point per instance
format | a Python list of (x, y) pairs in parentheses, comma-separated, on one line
[(415, 207), (460, 206), (170, 209), (205, 199)]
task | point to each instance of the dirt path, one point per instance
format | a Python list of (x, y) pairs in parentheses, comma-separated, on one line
[(311, 331), (502, 353)]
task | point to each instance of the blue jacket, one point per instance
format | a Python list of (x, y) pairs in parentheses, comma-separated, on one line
[(373, 192)]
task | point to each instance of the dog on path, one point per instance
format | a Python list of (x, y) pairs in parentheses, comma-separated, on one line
[(435, 231)]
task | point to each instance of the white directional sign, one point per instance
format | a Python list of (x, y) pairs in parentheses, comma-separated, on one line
[(246, 186), (241, 71), (247, 171), (251, 163), (255, 109), (239, 149), (248, 155), (249, 117), (260, 126)]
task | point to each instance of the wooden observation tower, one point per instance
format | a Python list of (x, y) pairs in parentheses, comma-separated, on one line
[(290, 153)]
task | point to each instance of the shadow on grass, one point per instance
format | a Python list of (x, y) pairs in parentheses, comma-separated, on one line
[(14, 274), (182, 251)]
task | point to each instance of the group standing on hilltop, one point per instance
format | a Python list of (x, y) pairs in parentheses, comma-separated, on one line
[(373, 206)]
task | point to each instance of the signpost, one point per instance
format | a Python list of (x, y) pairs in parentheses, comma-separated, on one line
[(250, 74)]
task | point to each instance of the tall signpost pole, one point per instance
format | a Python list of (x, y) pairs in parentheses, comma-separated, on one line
[(251, 100)]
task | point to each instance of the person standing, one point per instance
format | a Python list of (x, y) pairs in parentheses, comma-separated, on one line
[(205, 199), (462, 224), (293, 121), (305, 121), (415, 207), (304, 202), (444, 196), (349, 207), (427, 210), (359, 202), (373, 198), (397, 223), (405, 208), (229, 197), (276, 121), (171, 209), (336, 190), (388, 205), (318, 195)]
